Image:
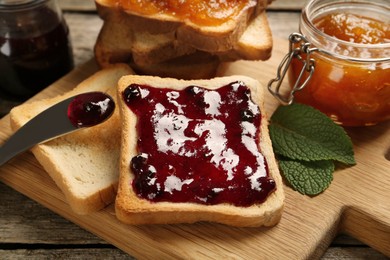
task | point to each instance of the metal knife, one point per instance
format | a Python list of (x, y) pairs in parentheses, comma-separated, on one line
[(72, 114)]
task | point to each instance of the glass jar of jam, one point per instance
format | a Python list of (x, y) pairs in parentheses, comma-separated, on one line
[(35, 49), (339, 63)]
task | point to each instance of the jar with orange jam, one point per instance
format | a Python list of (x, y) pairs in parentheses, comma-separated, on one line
[(339, 63)]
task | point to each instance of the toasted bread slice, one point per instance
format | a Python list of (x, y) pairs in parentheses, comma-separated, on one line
[(210, 38), (133, 209), (83, 164)]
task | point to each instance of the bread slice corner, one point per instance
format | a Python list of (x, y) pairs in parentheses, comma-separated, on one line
[(254, 44)]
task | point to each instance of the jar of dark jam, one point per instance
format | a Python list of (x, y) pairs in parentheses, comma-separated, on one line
[(35, 49), (339, 62)]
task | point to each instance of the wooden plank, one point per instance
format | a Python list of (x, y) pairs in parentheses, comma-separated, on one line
[(308, 225), (24, 221), (24, 224)]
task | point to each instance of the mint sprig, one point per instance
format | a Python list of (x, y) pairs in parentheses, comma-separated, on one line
[(307, 142)]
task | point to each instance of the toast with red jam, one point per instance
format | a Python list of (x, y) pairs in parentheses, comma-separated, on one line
[(196, 150)]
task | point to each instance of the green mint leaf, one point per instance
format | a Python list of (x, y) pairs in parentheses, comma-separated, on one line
[(301, 132), (310, 178)]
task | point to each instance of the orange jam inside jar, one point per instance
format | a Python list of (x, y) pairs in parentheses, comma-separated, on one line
[(351, 78), (203, 13)]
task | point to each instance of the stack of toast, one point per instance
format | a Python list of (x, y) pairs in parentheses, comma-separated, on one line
[(166, 45)]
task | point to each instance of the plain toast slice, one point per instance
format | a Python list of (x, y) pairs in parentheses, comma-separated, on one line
[(132, 209), (83, 164)]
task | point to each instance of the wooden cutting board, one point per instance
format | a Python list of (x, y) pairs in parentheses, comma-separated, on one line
[(357, 202)]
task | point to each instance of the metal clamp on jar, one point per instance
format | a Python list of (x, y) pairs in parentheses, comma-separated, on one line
[(339, 63), (35, 49)]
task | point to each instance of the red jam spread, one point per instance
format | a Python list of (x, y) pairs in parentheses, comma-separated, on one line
[(198, 145), (205, 13), (89, 109), (351, 93)]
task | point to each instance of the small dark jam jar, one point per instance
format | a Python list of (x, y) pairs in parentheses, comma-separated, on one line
[(339, 62), (35, 49)]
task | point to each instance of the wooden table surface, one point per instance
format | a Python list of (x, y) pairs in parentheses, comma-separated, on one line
[(29, 230)]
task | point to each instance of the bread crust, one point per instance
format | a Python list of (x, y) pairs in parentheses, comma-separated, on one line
[(85, 171), (131, 209)]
